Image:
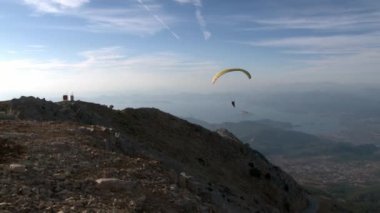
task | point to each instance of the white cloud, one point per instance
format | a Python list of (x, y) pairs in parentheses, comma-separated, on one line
[(35, 48), (361, 68), (55, 6), (131, 20), (105, 70), (329, 44), (71, 3), (320, 19), (335, 44), (336, 59), (184, 1), (202, 23), (327, 22), (345, 49)]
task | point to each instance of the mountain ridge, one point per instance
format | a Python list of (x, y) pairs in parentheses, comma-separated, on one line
[(225, 174)]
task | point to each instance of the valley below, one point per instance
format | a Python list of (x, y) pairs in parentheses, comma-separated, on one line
[(354, 184), (324, 171)]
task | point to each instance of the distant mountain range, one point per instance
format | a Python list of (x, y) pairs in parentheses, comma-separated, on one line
[(278, 138)]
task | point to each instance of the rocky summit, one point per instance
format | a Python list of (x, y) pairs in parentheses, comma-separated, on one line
[(85, 157)]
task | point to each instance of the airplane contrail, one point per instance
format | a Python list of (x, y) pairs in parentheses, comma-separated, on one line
[(158, 19)]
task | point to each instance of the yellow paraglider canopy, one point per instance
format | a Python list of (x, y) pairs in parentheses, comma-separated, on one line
[(219, 74)]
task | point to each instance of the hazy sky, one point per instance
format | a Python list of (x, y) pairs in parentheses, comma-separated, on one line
[(51, 47)]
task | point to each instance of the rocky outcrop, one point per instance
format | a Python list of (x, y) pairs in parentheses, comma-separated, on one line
[(227, 134)]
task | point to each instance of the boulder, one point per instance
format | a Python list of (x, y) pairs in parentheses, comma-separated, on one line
[(114, 184), (183, 180), (18, 168)]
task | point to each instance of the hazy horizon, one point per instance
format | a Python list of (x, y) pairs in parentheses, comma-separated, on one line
[(313, 108)]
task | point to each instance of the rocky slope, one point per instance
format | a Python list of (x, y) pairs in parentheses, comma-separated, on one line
[(154, 162)]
